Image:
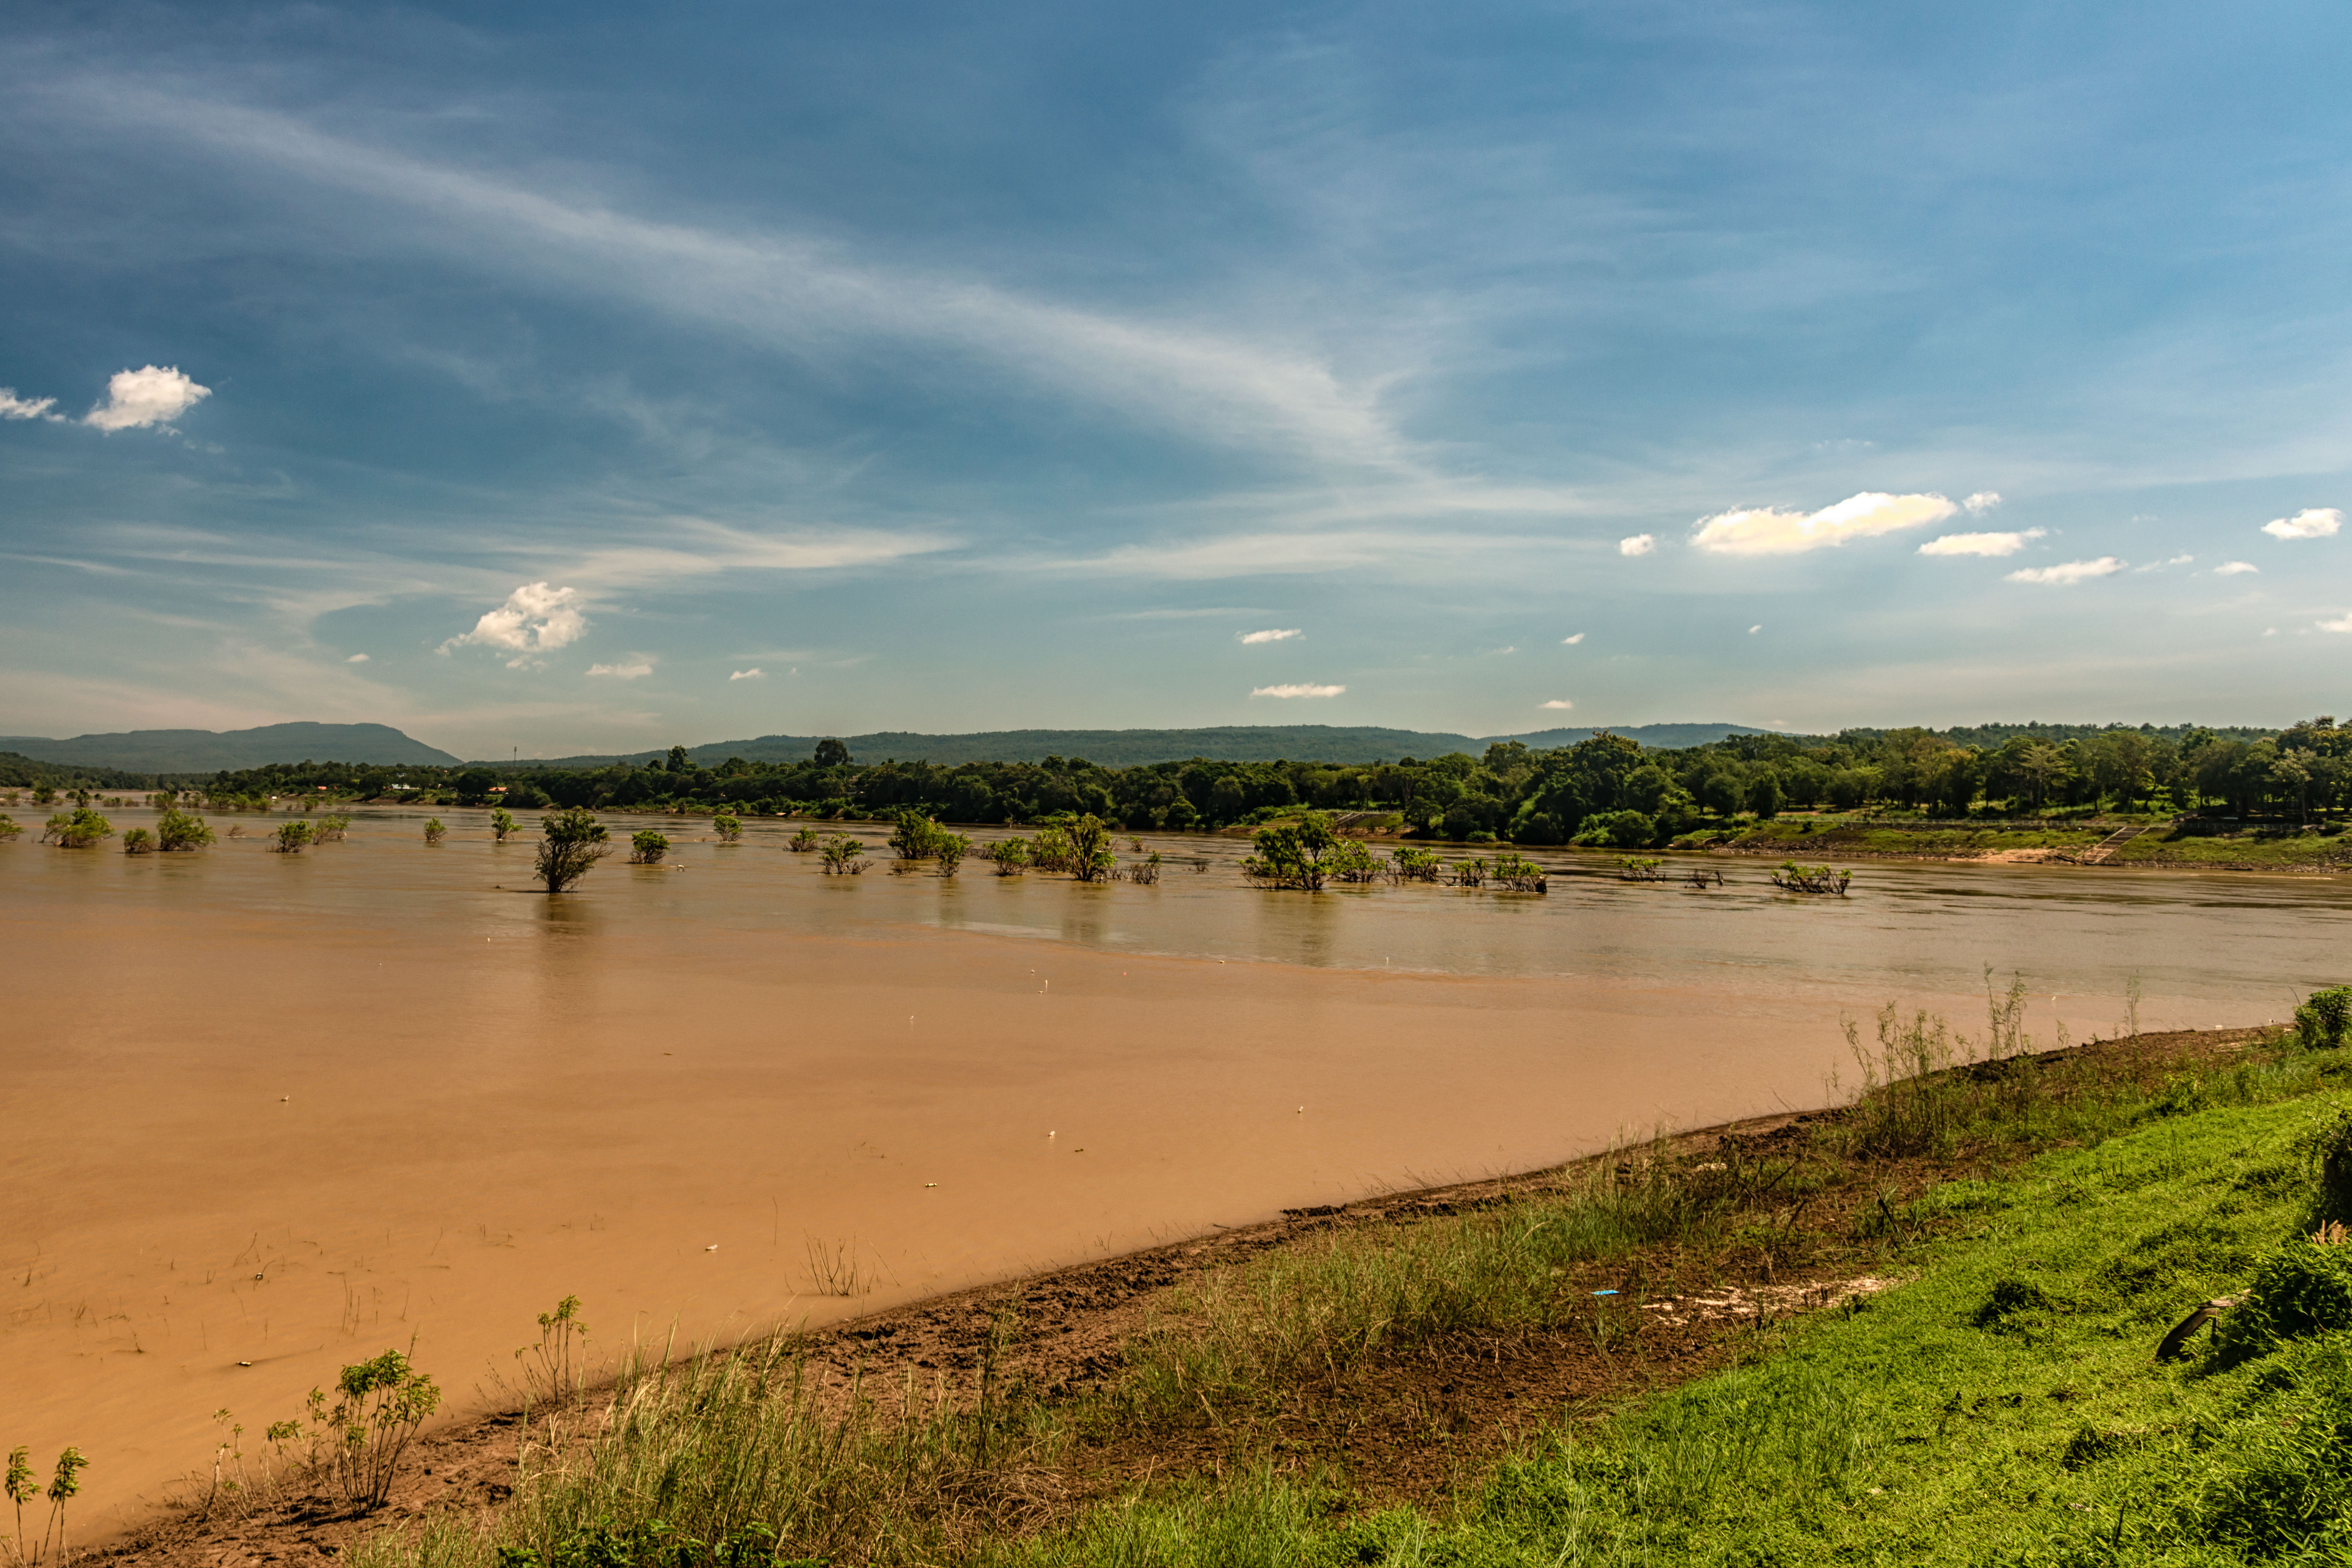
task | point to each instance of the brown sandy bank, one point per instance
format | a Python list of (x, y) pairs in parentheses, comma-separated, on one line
[(1422, 1424)]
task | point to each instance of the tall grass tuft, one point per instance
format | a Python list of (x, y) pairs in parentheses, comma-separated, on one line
[(1319, 1318), (748, 1456)]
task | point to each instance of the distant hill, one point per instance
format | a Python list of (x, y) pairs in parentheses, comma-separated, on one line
[(1126, 748), (209, 750)]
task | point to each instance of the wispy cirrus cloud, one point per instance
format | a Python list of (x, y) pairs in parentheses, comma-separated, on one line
[(697, 547), (2235, 569), (1264, 637), (2069, 573), (636, 667), (1769, 531), (1559, 704), (1981, 543), (753, 674), (1299, 690), (794, 289)]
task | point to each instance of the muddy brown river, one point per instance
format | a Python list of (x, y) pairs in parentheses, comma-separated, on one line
[(269, 1114)]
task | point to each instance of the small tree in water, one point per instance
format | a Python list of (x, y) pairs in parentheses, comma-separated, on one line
[(1292, 853), (647, 848), (729, 826), (139, 841), (502, 825), (291, 837), (177, 830), (1092, 858), (77, 830), (570, 843), (434, 831), (949, 849)]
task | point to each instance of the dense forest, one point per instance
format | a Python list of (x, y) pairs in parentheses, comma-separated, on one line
[(1605, 789), (25, 773)]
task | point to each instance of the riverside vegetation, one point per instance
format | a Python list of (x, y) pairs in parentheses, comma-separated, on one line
[(1921, 1328), (1605, 790)]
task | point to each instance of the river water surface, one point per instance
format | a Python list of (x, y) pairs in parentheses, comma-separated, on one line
[(267, 1114)]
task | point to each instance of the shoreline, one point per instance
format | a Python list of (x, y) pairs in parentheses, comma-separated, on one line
[(1074, 1323)]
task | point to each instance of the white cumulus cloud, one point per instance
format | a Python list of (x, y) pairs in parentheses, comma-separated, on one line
[(1638, 544), (1571, 641), (1270, 635), (2069, 571), (753, 674), (1982, 501), (15, 407), (535, 619), (1753, 630), (357, 658), (150, 396), (1559, 702), (1300, 690), (1979, 544), (1769, 531), (636, 667), (2235, 568), (2311, 522)]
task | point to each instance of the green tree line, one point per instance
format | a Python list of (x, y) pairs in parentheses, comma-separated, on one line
[(1606, 789)]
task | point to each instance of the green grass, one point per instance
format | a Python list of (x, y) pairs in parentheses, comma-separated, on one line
[(2254, 848), (1835, 837), (2000, 1407)]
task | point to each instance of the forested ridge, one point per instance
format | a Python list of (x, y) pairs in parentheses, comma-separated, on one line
[(1607, 788)]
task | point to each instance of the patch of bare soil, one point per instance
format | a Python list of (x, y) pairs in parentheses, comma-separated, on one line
[(1419, 1425)]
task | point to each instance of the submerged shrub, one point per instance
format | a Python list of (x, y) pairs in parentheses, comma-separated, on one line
[(803, 841), (10, 827), (570, 842), (77, 830), (177, 830), (1297, 854), (502, 825), (647, 847), (139, 841), (729, 826), (434, 831), (291, 837), (2302, 1288), (1410, 865)]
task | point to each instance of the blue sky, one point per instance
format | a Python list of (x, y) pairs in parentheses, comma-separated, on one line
[(594, 376)]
